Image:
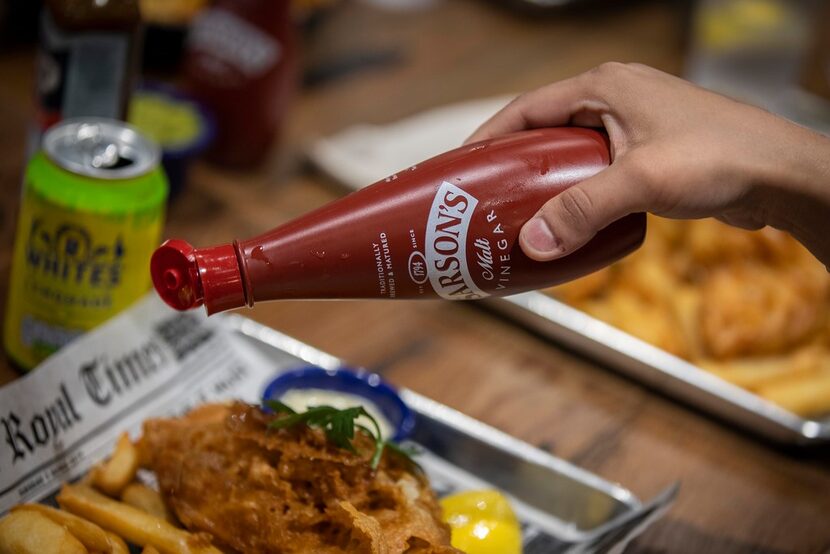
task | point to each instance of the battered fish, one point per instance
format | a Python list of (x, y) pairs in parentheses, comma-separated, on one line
[(288, 491)]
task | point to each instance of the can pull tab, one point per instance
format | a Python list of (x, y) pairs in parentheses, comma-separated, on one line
[(100, 151), (105, 156)]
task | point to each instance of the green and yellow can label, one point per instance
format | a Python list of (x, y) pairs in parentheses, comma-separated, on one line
[(81, 255)]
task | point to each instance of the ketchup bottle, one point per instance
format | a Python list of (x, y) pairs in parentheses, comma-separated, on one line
[(445, 228), (241, 62)]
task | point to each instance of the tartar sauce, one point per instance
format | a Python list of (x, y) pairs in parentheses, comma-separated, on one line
[(301, 399)]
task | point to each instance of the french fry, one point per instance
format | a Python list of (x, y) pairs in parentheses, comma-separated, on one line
[(650, 277), (146, 499), (808, 397), (116, 473), (149, 550), (583, 288), (652, 323), (685, 304), (29, 532), (86, 478), (756, 373), (136, 526), (91, 536), (118, 544)]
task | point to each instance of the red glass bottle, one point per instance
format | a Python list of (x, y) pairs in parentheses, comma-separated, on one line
[(241, 62), (445, 228)]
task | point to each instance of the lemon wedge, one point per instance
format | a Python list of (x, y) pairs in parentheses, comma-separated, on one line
[(482, 522)]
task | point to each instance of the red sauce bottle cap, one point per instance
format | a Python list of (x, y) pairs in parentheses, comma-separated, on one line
[(186, 277)]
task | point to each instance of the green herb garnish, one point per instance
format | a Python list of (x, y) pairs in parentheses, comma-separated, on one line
[(339, 425)]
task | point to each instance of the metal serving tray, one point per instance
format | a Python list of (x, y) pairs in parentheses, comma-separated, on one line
[(562, 507), (659, 369)]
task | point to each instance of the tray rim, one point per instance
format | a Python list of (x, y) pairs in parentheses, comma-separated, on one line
[(657, 368)]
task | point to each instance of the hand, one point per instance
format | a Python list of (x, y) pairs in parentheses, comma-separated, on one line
[(677, 151)]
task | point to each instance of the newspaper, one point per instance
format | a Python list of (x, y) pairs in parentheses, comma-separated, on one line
[(151, 361), (60, 419)]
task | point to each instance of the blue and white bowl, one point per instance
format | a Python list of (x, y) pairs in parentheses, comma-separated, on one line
[(359, 383)]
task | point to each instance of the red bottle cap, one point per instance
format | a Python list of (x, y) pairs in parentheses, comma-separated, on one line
[(187, 277)]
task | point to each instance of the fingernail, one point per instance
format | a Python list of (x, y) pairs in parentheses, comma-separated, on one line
[(539, 236)]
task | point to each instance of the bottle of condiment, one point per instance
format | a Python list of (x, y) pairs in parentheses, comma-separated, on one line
[(240, 61), (87, 59), (445, 228)]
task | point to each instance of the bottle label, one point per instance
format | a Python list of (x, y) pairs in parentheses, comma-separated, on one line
[(95, 76), (80, 74), (446, 244), (232, 47)]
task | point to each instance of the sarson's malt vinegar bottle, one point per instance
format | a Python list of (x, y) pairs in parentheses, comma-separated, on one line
[(445, 228)]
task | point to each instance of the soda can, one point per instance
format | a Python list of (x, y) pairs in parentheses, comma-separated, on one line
[(91, 214)]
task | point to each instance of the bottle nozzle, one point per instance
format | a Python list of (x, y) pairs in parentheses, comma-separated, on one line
[(176, 275), (186, 277)]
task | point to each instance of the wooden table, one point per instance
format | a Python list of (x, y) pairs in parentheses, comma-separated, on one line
[(738, 494)]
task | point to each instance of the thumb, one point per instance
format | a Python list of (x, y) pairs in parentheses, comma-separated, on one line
[(571, 218)]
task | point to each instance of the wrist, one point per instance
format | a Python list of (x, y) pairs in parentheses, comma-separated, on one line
[(792, 180)]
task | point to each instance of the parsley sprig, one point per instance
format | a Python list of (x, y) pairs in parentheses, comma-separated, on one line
[(339, 425)]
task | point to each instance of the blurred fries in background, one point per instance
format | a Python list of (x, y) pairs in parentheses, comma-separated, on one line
[(750, 307)]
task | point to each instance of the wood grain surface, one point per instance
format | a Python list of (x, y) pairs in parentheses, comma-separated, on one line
[(738, 494)]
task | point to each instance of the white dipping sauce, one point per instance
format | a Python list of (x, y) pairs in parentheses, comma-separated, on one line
[(300, 399)]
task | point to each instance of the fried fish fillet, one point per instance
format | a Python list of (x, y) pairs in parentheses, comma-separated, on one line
[(288, 491)]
